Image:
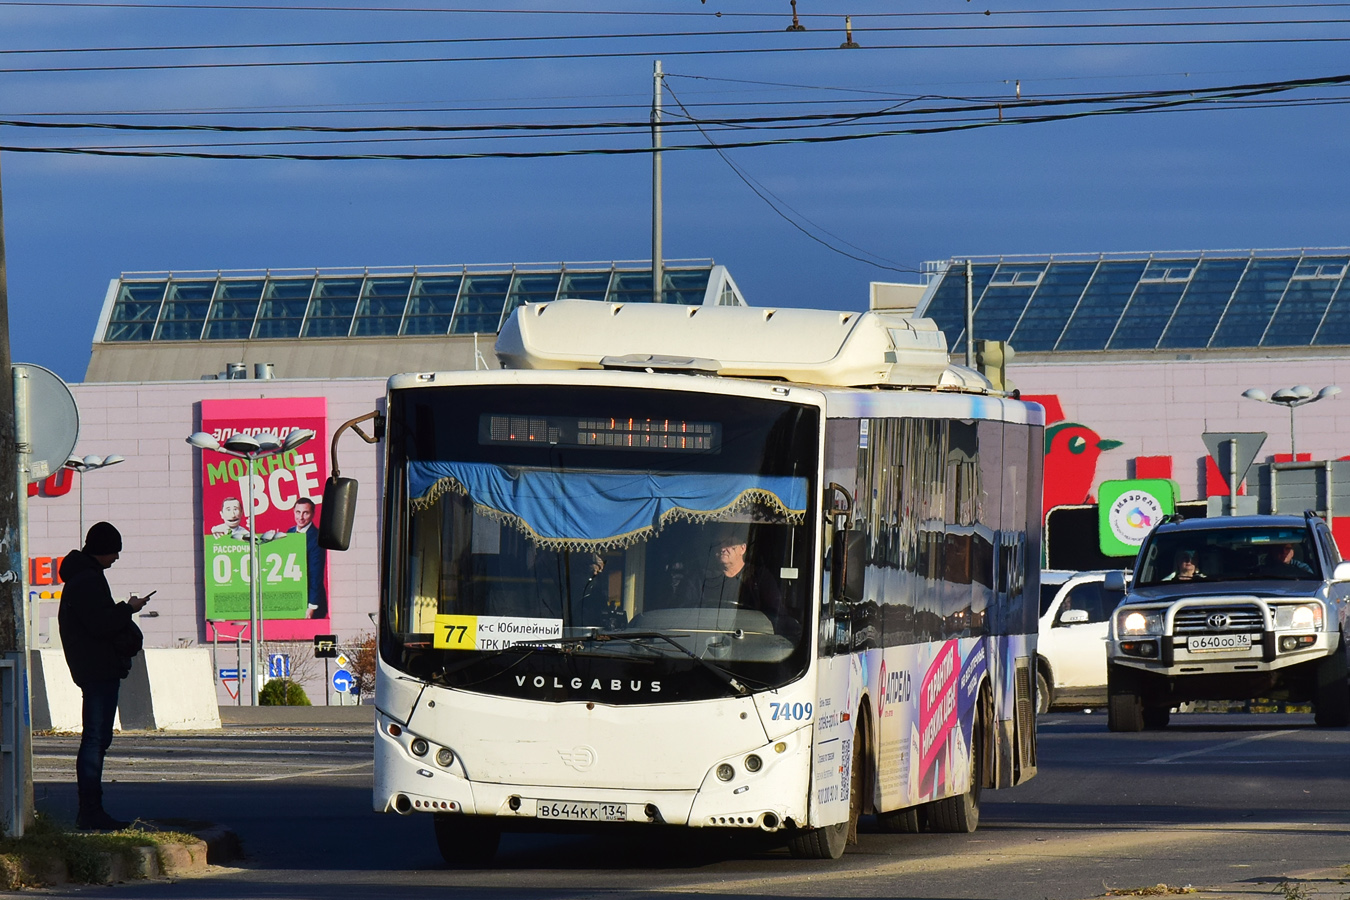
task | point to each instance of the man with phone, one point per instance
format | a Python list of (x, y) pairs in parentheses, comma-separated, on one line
[(99, 638)]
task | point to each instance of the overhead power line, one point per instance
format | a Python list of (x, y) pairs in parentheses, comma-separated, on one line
[(827, 47), (1031, 111), (617, 13), (780, 205), (859, 29)]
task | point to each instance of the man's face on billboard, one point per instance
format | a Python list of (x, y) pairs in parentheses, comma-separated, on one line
[(231, 511)]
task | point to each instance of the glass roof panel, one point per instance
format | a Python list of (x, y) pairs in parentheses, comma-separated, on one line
[(531, 287), (1050, 307), (1253, 303), (1104, 300), (1305, 302), (480, 306), (331, 307), (1154, 301), (136, 310), (380, 311), (283, 307), (631, 287), (1203, 303), (686, 286), (432, 305), (584, 285), (1000, 306), (234, 309), (185, 309), (1335, 328), (947, 306)]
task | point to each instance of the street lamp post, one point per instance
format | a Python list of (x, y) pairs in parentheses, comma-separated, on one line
[(1292, 397), (252, 449), (84, 464)]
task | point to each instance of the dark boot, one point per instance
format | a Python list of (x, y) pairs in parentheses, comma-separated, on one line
[(92, 817)]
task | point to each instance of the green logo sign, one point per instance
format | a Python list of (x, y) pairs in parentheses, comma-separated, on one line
[(1128, 510)]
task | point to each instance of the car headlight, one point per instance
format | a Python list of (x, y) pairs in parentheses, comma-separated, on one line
[(1140, 622), (1305, 617)]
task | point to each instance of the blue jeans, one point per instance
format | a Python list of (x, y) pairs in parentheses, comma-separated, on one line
[(100, 708)]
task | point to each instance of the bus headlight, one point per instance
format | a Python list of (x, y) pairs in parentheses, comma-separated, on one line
[(419, 747), (1136, 622), (725, 772), (444, 757), (753, 763)]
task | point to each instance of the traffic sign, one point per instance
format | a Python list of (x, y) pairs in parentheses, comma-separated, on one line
[(342, 660), (279, 665), (1222, 446), (344, 682), (325, 646), (232, 674)]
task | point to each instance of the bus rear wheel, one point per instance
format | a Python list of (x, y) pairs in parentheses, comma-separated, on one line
[(466, 841), (829, 842), (961, 814), (901, 821)]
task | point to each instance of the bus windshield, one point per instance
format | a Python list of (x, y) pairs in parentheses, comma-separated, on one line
[(551, 541)]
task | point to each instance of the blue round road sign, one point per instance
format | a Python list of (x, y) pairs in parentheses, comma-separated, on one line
[(343, 681)]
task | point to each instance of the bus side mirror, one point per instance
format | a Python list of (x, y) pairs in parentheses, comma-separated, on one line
[(850, 554), (1114, 582), (339, 512)]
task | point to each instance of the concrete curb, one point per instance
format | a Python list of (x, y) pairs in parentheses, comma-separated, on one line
[(296, 716)]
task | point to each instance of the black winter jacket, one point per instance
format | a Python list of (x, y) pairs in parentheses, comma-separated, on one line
[(98, 635)]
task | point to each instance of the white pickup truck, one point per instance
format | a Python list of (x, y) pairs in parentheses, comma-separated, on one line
[(1231, 608)]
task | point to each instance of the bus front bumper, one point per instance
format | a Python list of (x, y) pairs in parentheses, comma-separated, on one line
[(411, 779)]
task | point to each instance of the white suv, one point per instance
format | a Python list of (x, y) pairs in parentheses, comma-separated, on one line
[(1071, 646)]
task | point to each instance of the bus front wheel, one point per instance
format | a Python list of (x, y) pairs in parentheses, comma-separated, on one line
[(829, 842), (466, 840)]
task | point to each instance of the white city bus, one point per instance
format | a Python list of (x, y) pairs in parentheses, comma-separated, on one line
[(713, 567)]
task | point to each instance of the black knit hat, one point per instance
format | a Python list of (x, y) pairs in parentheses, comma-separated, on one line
[(102, 540)]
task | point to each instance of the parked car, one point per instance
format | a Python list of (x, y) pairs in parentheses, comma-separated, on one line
[(1231, 608), (1071, 646)]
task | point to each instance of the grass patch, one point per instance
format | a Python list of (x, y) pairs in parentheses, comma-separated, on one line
[(49, 848)]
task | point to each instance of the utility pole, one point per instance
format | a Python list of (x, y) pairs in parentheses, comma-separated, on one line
[(658, 255), (16, 804), (970, 316)]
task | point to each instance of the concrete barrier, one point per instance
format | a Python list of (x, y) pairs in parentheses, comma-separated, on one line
[(57, 701), (171, 690)]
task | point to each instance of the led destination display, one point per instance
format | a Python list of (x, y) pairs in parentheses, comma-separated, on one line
[(609, 433)]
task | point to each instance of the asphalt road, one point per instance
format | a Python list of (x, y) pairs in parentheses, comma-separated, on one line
[(1212, 800)]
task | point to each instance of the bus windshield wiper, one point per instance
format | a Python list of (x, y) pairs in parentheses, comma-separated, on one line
[(722, 674)]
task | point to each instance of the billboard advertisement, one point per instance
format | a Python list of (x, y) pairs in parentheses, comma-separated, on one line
[(286, 492)]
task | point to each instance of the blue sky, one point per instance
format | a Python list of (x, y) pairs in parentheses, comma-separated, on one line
[(1198, 178)]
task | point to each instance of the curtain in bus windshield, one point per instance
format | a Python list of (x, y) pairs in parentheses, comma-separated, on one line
[(600, 510)]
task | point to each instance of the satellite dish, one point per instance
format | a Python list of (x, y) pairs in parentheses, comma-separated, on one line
[(52, 416)]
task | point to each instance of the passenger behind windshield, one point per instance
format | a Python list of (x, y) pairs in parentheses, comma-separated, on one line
[(1185, 568), (1282, 562)]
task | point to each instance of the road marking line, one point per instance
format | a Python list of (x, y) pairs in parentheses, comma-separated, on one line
[(322, 771), (1224, 746)]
